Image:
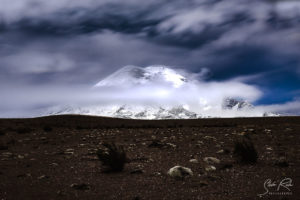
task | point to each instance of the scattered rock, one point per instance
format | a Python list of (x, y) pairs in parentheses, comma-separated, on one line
[(54, 164), (7, 154), (251, 130), (267, 131), (207, 137), (269, 148), (210, 168), (81, 186), (156, 143), (171, 145), (157, 174), (20, 156), (69, 151), (211, 160), (220, 151), (137, 171), (43, 177), (203, 183), (194, 161), (180, 172)]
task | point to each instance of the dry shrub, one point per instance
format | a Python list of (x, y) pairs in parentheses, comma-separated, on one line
[(245, 151), (112, 157)]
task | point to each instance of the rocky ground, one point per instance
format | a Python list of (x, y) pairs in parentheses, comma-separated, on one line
[(55, 158)]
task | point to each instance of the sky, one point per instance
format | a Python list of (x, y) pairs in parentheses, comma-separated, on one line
[(52, 51)]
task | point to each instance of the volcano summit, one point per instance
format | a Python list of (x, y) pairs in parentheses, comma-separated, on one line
[(160, 92)]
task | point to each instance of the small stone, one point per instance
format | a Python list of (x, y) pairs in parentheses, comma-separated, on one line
[(209, 138), (268, 130), (211, 160), (242, 133), (43, 177), (137, 171), (69, 151), (54, 164), (210, 168), (203, 183), (81, 186), (20, 156), (171, 145), (220, 151), (269, 148), (180, 172), (194, 161), (157, 174), (156, 143), (7, 154)]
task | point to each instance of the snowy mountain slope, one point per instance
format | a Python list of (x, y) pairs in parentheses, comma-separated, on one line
[(126, 111), (158, 92), (129, 76)]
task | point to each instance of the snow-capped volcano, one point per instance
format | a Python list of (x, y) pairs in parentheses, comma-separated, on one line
[(159, 92), (129, 76)]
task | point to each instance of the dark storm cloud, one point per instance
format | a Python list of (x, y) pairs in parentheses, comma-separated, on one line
[(79, 42)]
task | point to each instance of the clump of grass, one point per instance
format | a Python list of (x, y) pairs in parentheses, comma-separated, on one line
[(47, 128), (245, 151), (23, 130), (112, 157), (2, 132)]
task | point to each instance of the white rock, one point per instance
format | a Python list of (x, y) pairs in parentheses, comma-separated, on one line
[(211, 160), (194, 161), (210, 168), (220, 151), (180, 172), (171, 145)]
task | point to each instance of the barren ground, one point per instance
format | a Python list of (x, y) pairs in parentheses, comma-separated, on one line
[(54, 158)]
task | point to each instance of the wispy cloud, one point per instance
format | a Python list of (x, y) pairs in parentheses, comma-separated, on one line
[(63, 43)]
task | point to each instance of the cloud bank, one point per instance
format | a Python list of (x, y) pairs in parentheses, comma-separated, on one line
[(48, 45)]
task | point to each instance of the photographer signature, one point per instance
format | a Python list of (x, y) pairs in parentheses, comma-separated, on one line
[(285, 183)]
